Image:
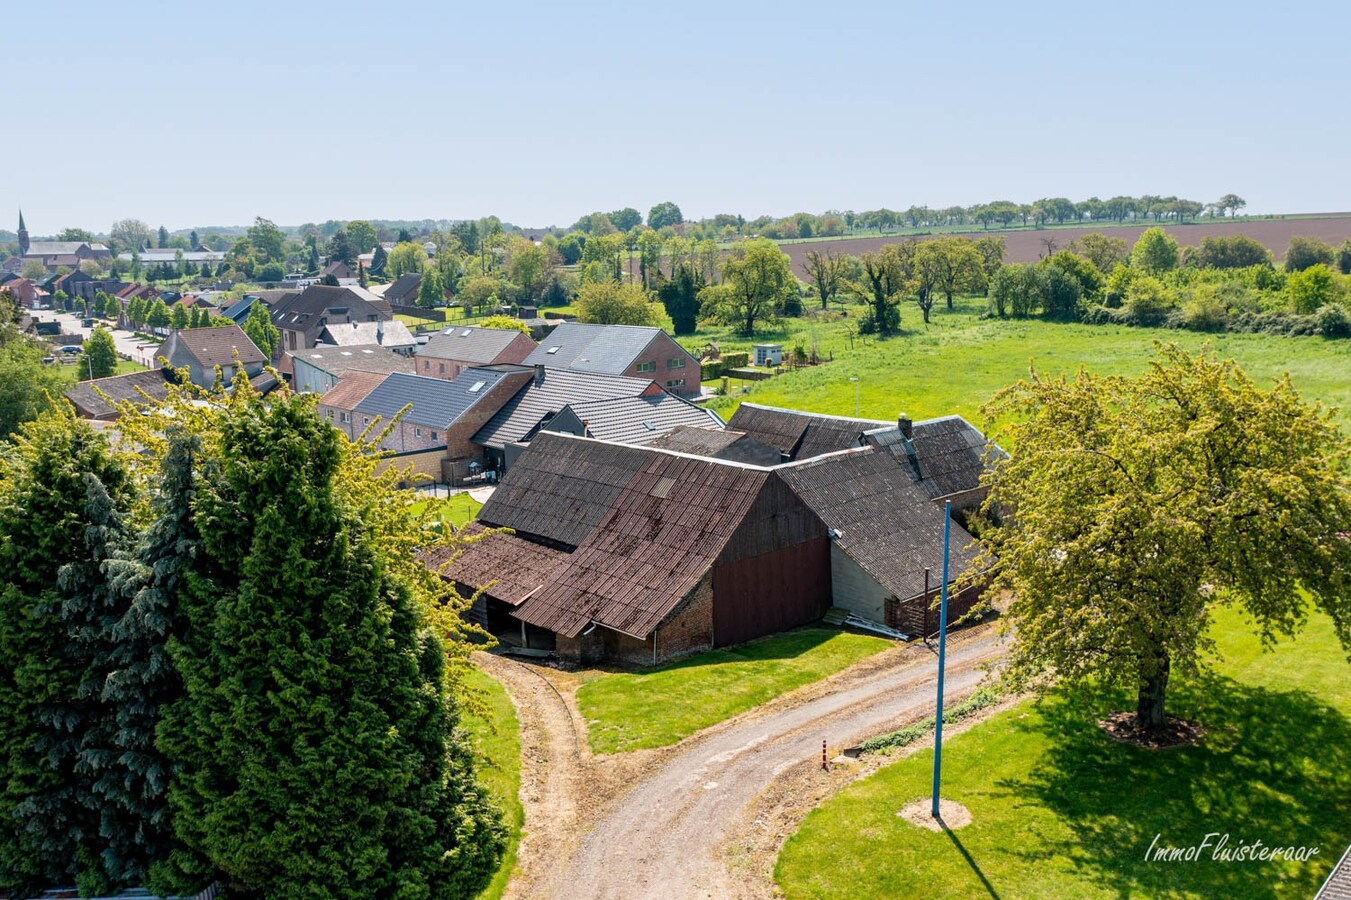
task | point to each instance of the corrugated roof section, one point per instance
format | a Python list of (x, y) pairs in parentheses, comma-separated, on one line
[(516, 568), (519, 417), (133, 386), (884, 521), (637, 420), (561, 488), (664, 530)]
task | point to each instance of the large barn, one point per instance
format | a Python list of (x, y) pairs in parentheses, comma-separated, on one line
[(644, 553)]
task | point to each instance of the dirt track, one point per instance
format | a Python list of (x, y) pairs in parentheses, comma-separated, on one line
[(659, 823)]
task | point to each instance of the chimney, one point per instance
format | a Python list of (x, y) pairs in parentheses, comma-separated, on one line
[(905, 425), (539, 373)]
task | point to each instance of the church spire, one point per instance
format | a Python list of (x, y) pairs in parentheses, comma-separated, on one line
[(23, 236)]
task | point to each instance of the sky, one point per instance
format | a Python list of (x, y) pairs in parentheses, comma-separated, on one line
[(199, 114)]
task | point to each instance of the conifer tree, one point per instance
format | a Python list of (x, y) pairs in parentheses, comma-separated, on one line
[(58, 473), (131, 776), (315, 744)]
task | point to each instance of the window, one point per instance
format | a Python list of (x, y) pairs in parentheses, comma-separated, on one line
[(441, 368), (676, 383), (676, 363), (426, 365), (647, 366), (365, 420), (433, 435), (347, 417), (417, 432)]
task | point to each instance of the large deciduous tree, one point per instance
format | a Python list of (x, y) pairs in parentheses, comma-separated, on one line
[(1132, 507), (664, 214), (886, 277), (613, 303), (957, 265), (827, 272), (1154, 252), (756, 280), (99, 356)]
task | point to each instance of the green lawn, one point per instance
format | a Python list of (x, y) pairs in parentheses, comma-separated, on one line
[(497, 740), (959, 361), (657, 707), (1062, 811), (457, 510)]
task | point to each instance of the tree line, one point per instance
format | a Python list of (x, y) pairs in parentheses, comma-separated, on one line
[(221, 662)]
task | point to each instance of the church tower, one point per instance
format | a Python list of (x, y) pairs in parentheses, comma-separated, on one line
[(23, 236)]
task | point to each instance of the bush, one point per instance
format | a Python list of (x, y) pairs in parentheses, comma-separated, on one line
[(1147, 300), (1310, 289), (735, 360), (1205, 313), (1333, 322)]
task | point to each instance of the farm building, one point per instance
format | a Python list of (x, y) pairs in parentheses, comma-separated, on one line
[(702, 538), (319, 370), (452, 350), (634, 351)]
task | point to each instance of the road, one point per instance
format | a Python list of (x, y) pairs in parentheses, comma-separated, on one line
[(665, 837), (127, 342)]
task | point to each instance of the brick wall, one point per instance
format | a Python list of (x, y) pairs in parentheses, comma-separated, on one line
[(427, 463), (916, 618), (689, 629), (457, 438), (660, 353)]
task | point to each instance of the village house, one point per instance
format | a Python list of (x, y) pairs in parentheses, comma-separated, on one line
[(202, 350), (452, 350), (25, 292), (393, 335), (319, 370), (628, 350), (338, 404), (302, 318), (403, 291)]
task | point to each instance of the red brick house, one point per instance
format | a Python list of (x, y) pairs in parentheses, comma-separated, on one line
[(630, 350), (452, 350)]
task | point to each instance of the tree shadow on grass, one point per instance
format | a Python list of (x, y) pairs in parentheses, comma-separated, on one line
[(786, 645), (1274, 766)]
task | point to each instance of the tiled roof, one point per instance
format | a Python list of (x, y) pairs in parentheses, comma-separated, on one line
[(392, 333), (352, 389), (85, 395), (404, 287), (518, 418), (337, 360), (214, 346), (880, 517), (561, 488), (724, 444), (467, 343), (947, 455), (637, 420), (593, 348), (435, 401), (516, 568), (664, 530), (65, 248)]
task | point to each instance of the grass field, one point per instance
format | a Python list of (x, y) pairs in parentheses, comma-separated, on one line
[(457, 509), (497, 740), (960, 360), (657, 707), (1060, 810)]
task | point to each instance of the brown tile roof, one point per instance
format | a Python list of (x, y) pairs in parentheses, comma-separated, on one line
[(215, 346), (665, 529), (800, 435), (367, 358), (354, 387), (880, 518), (511, 568)]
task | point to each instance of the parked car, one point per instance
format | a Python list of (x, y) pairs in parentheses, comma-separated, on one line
[(72, 349), (87, 323)]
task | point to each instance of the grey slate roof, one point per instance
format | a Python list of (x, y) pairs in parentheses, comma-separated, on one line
[(303, 310), (880, 517), (337, 360), (62, 248), (637, 420), (403, 289), (593, 348), (356, 334), (436, 402), (519, 416), (1338, 884), (468, 343)]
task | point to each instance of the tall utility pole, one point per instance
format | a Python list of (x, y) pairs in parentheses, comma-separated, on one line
[(856, 394), (942, 654)]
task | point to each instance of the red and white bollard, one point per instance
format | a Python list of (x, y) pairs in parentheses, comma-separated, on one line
[(825, 767)]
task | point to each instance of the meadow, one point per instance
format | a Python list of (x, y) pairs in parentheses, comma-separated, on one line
[(1061, 810), (955, 364)]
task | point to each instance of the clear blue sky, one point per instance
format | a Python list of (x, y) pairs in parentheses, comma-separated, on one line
[(192, 114)]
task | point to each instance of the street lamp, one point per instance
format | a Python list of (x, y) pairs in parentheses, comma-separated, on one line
[(857, 388)]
